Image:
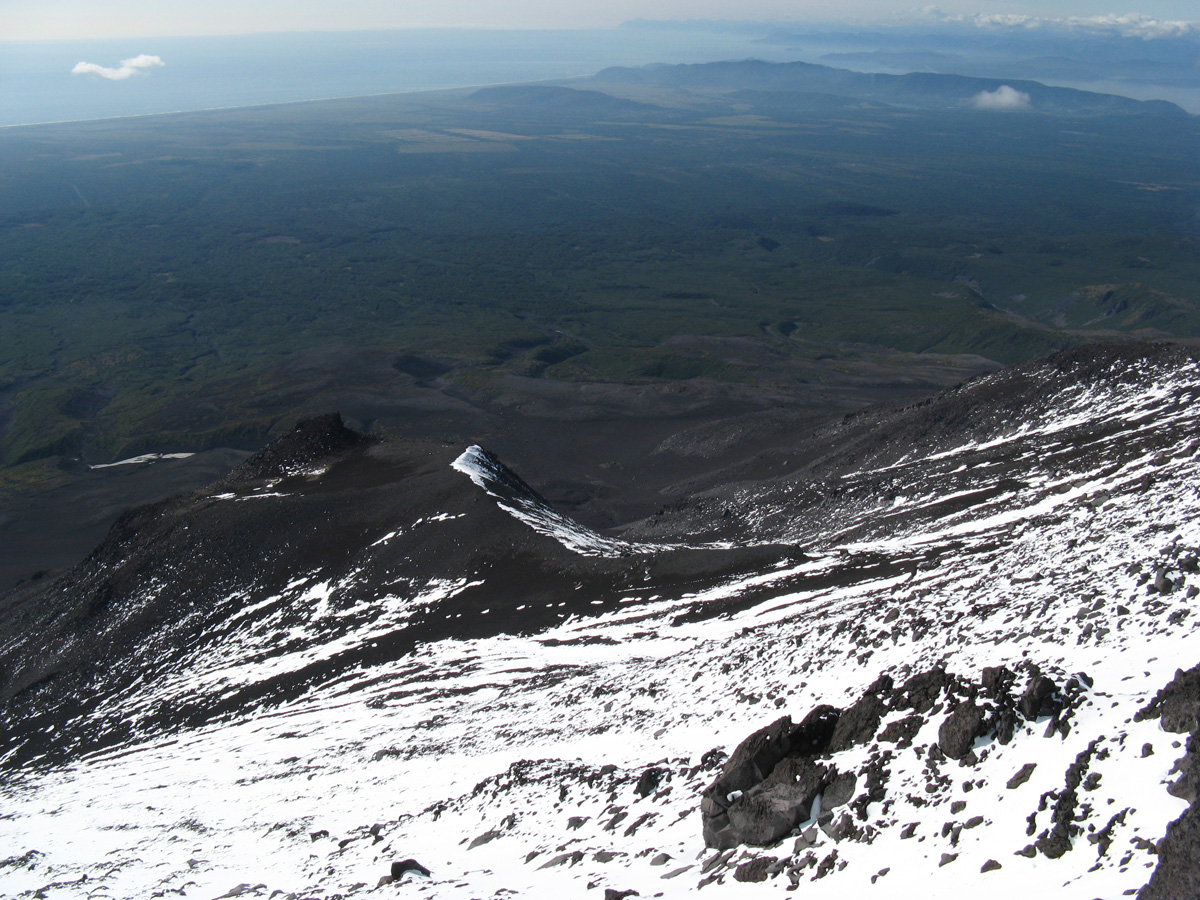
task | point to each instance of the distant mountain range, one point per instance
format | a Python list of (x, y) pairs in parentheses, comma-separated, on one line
[(923, 90)]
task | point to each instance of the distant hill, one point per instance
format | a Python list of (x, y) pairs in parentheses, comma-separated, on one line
[(919, 89)]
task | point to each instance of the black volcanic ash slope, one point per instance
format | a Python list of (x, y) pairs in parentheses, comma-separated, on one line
[(300, 553), (964, 447), (335, 550), (994, 587)]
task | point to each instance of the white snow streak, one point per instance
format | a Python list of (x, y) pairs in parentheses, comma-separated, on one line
[(1049, 570)]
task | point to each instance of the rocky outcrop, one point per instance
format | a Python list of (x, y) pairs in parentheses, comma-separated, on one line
[(310, 442), (859, 722), (1038, 698), (772, 781), (769, 783), (957, 733), (1178, 871), (1177, 707)]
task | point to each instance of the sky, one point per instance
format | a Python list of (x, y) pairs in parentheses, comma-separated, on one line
[(75, 19)]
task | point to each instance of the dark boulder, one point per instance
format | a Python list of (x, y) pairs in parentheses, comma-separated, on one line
[(399, 869), (1004, 724), (813, 735), (997, 681), (1054, 842), (1039, 698), (857, 724), (769, 783), (754, 759), (649, 781), (570, 858), (957, 734), (757, 869), (768, 812), (840, 791), (1177, 704), (837, 829), (1022, 776), (902, 731), (922, 691)]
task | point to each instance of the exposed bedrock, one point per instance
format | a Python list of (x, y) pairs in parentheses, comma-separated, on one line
[(1177, 707), (780, 775), (771, 782)]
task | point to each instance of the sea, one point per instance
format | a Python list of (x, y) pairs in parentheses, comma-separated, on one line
[(37, 84)]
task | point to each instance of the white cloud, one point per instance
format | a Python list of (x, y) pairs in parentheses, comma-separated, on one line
[(1003, 97), (127, 69), (1128, 25), (1134, 25)]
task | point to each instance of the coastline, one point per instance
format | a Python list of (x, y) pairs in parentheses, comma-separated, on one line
[(207, 109)]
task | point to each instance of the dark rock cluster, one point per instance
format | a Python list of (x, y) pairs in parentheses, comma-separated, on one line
[(770, 783), (1177, 707), (310, 442), (365, 516)]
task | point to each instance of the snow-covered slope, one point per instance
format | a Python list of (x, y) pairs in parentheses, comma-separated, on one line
[(517, 499), (300, 728)]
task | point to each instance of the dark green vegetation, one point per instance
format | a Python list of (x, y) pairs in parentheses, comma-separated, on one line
[(207, 279)]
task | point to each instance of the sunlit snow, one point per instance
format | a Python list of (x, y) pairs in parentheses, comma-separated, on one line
[(529, 747)]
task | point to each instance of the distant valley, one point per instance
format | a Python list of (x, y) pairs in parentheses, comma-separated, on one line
[(634, 256)]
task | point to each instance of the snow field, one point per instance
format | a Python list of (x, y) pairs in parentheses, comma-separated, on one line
[(1055, 568)]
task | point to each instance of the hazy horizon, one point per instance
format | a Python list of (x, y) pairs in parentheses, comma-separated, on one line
[(47, 81), (80, 19), (78, 81)]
